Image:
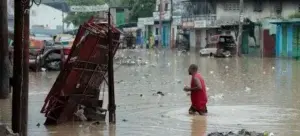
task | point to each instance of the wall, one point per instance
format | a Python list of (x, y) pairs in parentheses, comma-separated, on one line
[(268, 10), (46, 16), (201, 38), (193, 39)]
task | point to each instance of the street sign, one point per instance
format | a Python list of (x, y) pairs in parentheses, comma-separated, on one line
[(96, 8), (200, 24), (146, 21)]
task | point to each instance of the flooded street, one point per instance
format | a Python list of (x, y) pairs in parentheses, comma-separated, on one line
[(251, 93)]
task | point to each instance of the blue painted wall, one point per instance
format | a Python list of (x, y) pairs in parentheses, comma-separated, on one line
[(166, 34), (278, 40), (290, 40)]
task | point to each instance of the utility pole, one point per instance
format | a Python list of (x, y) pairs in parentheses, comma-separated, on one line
[(240, 28), (4, 60), (111, 87), (160, 22), (17, 66), (24, 113)]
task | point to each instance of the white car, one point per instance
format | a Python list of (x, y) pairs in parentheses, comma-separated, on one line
[(208, 50)]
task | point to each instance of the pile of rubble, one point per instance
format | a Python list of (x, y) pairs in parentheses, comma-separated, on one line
[(242, 132)]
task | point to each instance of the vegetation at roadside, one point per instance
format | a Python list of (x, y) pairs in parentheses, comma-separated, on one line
[(137, 9), (295, 15), (79, 18)]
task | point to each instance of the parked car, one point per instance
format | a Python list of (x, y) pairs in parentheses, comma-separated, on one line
[(43, 52), (219, 46)]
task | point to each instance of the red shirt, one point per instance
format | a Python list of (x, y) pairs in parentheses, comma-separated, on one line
[(198, 97)]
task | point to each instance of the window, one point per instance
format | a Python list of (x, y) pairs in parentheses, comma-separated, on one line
[(258, 6), (232, 6), (166, 7), (278, 7), (298, 7), (158, 7), (156, 31)]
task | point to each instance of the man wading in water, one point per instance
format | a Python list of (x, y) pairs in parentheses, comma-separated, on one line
[(198, 92)]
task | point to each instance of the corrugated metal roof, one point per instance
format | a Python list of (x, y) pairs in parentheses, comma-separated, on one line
[(57, 4)]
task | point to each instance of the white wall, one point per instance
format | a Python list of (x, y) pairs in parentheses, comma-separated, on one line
[(175, 32), (268, 10), (193, 39), (47, 16)]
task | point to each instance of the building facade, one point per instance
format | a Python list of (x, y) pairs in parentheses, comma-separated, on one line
[(165, 34), (208, 17)]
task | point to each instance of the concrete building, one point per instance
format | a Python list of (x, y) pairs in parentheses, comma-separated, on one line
[(166, 22), (207, 17)]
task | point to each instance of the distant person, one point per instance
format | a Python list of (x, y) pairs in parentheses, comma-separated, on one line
[(198, 91), (156, 40)]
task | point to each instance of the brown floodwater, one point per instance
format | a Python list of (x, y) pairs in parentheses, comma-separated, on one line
[(244, 93)]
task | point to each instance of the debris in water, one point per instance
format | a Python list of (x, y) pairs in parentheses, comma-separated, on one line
[(141, 95), (264, 72), (147, 75), (43, 69), (153, 65), (6, 131), (242, 132), (124, 120), (273, 68), (160, 93), (118, 82), (211, 72), (80, 113), (217, 96), (38, 124), (247, 89), (226, 67), (179, 81), (96, 123)]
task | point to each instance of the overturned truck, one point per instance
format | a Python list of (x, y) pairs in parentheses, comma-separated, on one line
[(76, 91)]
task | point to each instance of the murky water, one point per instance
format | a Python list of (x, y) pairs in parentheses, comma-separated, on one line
[(251, 93)]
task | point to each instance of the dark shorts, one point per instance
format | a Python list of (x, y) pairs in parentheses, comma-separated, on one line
[(193, 110)]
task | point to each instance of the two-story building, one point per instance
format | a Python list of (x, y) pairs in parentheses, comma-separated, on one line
[(208, 17), (166, 21)]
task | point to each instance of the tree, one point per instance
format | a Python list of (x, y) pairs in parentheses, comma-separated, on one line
[(79, 18), (295, 15), (140, 8)]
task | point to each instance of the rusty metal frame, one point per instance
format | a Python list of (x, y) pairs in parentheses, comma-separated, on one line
[(79, 70)]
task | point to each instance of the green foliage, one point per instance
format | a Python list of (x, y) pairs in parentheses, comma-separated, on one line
[(295, 15), (79, 18), (140, 8)]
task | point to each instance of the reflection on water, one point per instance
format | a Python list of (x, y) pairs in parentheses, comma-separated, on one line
[(198, 126), (252, 93)]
